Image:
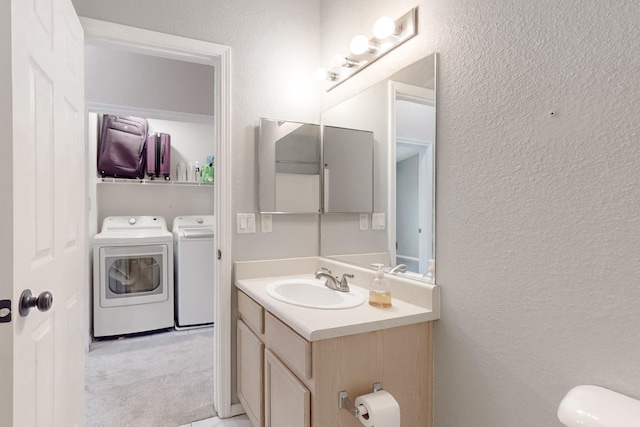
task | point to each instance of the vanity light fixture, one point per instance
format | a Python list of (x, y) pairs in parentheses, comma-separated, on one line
[(387, 35), (361, 44), (324, 74), (343, 61)]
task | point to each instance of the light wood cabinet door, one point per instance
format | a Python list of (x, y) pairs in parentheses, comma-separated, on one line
[(250, 373), (287, 400)]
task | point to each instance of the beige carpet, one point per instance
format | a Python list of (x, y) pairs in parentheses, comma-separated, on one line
[(163, 379)]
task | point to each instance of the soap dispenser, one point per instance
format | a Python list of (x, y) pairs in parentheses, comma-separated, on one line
[(380, 292)]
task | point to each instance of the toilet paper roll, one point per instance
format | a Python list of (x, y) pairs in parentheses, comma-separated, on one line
[(382, 410)]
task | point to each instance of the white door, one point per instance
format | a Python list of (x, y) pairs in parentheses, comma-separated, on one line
[(42, 239)]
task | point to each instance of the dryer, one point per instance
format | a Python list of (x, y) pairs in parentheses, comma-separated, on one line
[(132, 276), (194, 252)]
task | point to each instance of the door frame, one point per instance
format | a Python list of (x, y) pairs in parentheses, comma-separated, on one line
[(218, 56)]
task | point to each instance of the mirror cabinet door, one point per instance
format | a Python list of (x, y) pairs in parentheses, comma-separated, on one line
[(289, 167), (348, 170)]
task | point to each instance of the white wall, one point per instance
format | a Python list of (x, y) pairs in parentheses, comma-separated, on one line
[(274, 57), (147, 81), (538, 226), (415, 121)]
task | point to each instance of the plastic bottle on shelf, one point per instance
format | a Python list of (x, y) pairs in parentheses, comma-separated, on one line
[(196, 172), (207, 173), (380, 291)]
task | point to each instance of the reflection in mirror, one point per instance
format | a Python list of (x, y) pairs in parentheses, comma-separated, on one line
[(348, 170), (400, 111), (289, 167), (411, 163)]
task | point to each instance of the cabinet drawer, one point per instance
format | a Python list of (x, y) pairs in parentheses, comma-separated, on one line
[(294, 350), (251, 313)]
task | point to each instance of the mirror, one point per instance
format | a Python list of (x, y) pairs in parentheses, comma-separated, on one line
[(348, 170), (289, 167), (400, 112), (290, 171)]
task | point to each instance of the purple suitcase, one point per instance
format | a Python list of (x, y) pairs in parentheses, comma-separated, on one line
[(121, 148), (159, 155)]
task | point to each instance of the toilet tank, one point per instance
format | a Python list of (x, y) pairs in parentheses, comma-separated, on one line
[(593, 406)]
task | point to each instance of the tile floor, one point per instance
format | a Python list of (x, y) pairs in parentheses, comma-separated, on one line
[(239, 421)]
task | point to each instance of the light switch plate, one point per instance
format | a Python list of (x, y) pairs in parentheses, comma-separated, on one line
[(378, 221), (245, 223), (364, 222), (266, 223)]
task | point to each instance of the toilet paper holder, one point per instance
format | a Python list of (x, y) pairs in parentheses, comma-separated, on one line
[(345, 403)]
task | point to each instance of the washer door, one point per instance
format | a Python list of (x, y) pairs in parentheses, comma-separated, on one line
[(133, 275)]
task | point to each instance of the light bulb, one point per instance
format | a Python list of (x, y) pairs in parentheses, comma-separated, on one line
[(384, 27), (340, 60), (359, 44)]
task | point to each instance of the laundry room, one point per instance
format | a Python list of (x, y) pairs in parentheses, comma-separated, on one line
[(151, 237)]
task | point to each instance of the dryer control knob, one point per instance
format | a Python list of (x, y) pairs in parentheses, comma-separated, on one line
[(132, 221), (199, 220)]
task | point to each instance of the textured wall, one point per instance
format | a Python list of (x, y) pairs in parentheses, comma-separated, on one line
[(538, 223), (274, 57), (539, 240)]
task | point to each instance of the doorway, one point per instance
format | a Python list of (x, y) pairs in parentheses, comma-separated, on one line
[(412, 176), (413, 203), (167, 46)]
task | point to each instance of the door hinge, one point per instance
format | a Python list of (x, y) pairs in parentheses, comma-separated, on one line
[(5, 311)]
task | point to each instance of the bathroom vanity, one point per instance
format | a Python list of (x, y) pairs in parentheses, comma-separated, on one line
[(293, 361)]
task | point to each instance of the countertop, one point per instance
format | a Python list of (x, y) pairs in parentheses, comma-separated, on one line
[(318, 324)]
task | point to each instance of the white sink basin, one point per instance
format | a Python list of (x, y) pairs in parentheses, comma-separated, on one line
[(312, 293)]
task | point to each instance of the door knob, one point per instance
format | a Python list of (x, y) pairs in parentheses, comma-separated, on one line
[(44, 301)]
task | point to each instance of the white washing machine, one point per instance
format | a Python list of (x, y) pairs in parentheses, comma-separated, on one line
[(132, 276), (194, 253)]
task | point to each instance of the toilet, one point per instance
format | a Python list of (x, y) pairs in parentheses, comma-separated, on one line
[(593, 406)]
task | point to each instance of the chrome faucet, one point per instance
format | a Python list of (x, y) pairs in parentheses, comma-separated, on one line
[(400, 268), (332, 282)]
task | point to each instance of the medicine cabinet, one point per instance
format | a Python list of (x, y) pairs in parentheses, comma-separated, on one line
[(306, 168)]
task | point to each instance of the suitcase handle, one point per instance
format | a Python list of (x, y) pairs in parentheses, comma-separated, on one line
[(158, 154)]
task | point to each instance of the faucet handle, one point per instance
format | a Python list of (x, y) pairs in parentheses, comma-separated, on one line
[(325, 269), (343, 281)]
